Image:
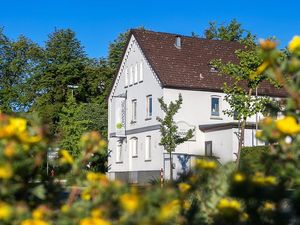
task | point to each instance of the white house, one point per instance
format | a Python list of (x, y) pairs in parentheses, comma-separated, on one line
[(158, 65)]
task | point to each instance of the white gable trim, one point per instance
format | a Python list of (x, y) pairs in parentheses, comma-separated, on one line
[(124, 60)]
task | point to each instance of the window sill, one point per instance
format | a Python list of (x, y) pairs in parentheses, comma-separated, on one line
[(140, 81), (132, 122), (216, 118), (134, 156), (148, 118), (120, 162), (147, 160)]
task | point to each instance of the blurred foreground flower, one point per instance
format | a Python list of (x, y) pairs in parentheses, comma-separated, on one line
[(5, 211), (205, 164), (294, 44), (288, 125)]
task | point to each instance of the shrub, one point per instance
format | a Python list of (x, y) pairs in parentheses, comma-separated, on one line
[(251, 158)]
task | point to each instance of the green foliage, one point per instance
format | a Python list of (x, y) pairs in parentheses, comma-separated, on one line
[(169, 130), (231, 32), (17, 60), (72, 125), (252, 159)]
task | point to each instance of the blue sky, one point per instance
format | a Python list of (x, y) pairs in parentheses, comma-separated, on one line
[(96, 23)]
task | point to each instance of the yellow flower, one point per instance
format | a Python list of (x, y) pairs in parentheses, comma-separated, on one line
[(26, 138), (39, 213), (206, 164), (96, 213), (34, 222), (267, 44), (261, 180), (86, 195), (288, 125), (97, 178), (9, 149), (5, 211), (129, 202), (65, 208), (294, 44), (238, 177), (258, 134), (269, 206), (262, 68), (18, 124), (6, 171), (94, 221), (169, 210), (66, 158), (184, 187), (229, 206)]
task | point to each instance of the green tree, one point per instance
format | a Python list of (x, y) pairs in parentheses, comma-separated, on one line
[(17, 62), (170, 138), (72, 125), (229, 32), (63, 63), (240, 93)]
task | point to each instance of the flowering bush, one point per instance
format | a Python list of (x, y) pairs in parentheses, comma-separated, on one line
[(210, 194)]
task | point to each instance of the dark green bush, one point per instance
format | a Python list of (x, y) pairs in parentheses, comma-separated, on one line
[(251, 158)]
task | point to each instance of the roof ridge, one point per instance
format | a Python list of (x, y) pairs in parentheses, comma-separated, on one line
[(133, 30)]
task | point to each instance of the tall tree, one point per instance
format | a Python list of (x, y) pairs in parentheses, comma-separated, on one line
[(170, 138), (63, 64), (240, 93), (17, 61)]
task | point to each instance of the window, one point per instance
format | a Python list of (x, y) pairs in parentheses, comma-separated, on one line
[(131, 76), (208, 148), (126, 77), (148, 148), (215, 106), (119, 157), (136, 73), (149, 106), (134, 110), (134, 146), (141, 71)]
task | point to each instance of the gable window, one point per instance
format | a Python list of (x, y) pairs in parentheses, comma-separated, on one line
[(126, 77), (134, 110), (134, 146), (131, 75), (119, 155), (149, 107), (148, 148), (215, 106), (141, 71), (136, 73)]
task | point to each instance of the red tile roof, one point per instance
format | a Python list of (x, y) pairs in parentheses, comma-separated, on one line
[(189, 67)]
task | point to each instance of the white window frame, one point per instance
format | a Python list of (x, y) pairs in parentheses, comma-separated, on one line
[(133, 110), (126, 77), (148, 112), (211, 108), (148, 146), (119, 153), (136, 73), (131, 75), (134, 146), (141, 72)]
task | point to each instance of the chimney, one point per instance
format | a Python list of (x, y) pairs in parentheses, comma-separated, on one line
[(178, 42)]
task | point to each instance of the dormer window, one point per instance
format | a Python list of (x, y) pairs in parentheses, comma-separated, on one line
[(213, 69)]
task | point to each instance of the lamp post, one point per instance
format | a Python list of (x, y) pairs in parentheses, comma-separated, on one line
[(72, 87)]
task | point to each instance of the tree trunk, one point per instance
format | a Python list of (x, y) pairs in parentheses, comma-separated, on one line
[(241, 142), (242, 137), (171, 166)]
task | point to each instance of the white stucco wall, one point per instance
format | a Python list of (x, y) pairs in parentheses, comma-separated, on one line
[(149, 86)]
